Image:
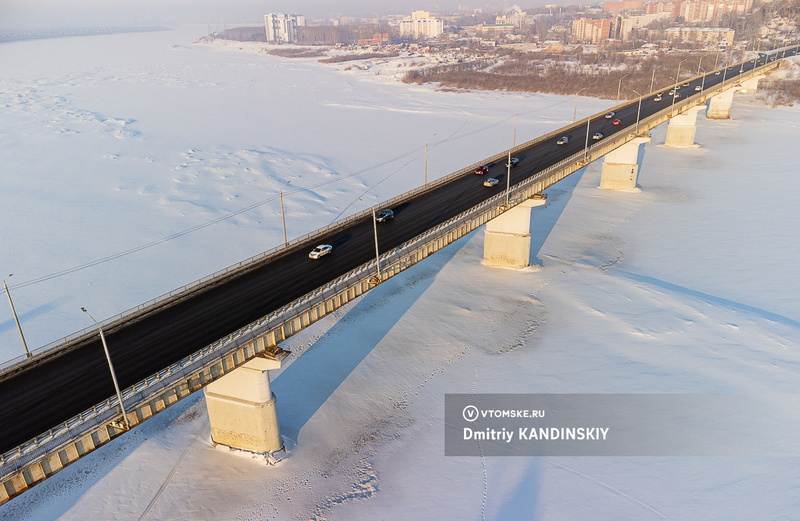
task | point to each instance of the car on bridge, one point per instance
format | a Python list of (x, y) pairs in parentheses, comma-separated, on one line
[(513, 162), (491, 182), (320, 251), (617, 122), (482, 170), (384, 215), (563, 140), (610, 115), (657, 98), (597, 136), (698, 88)]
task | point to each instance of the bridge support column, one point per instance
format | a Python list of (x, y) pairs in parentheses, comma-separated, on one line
[(621, 166), (241, 408), (507, 238), (750, 85), (682, 128), (719, 106)]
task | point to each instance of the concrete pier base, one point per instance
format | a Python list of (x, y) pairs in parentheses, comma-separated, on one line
[(507, 237), (621, 166), (241, 408), (719, 106), (682, 128)]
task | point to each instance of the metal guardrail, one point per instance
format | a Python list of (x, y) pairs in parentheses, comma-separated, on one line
[(28, 464)]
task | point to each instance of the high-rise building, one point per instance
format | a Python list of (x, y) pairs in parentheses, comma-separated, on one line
[(586, 30), (421, 25), (282, 28)]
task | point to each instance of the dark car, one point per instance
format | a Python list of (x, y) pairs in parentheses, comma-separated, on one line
[(482, 170), (384, 215), (514, 162), (563, 140)]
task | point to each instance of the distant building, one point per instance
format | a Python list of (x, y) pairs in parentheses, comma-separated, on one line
[(282, 28), (707, 10), (495, 28), (587, 30), (627, 24), (421, 25), (707, 35), (670, 7), (623, 5), (377, 39)]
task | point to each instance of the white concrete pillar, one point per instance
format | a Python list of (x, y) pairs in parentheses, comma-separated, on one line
[(719, 106), (750, 85), (241, 408), (682, 128), (621, 166), (507, 237)]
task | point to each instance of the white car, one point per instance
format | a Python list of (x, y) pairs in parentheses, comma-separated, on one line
[(491, 182), (698, 88), (320, 251), (610, 115), (563, 141), (597, 136)]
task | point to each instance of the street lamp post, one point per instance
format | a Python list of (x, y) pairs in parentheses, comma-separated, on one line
[(16, 319), (675, 87), (111, 368), (377, 251), (653, 78), (619, 86), (283, 218), (508, 177), (638, 111), (575, 106), (425, 167), (586, 143)]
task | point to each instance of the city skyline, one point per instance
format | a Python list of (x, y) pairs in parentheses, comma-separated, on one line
[(53, 14)]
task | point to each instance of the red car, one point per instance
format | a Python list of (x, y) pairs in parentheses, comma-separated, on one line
[(482, 170), (617, 122)]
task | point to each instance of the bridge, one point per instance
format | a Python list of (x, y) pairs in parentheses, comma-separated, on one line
[(62, 398)]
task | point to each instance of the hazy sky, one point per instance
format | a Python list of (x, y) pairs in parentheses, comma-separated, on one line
[(28, 14)]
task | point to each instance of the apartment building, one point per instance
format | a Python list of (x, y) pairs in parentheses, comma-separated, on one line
[(587, 30), (282, 28), (421, 25)]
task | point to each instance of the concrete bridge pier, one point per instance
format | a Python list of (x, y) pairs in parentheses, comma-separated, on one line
[(750, 85), (241, 408), (719, 106), (621, 166), (682, 128), (507, 237)]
